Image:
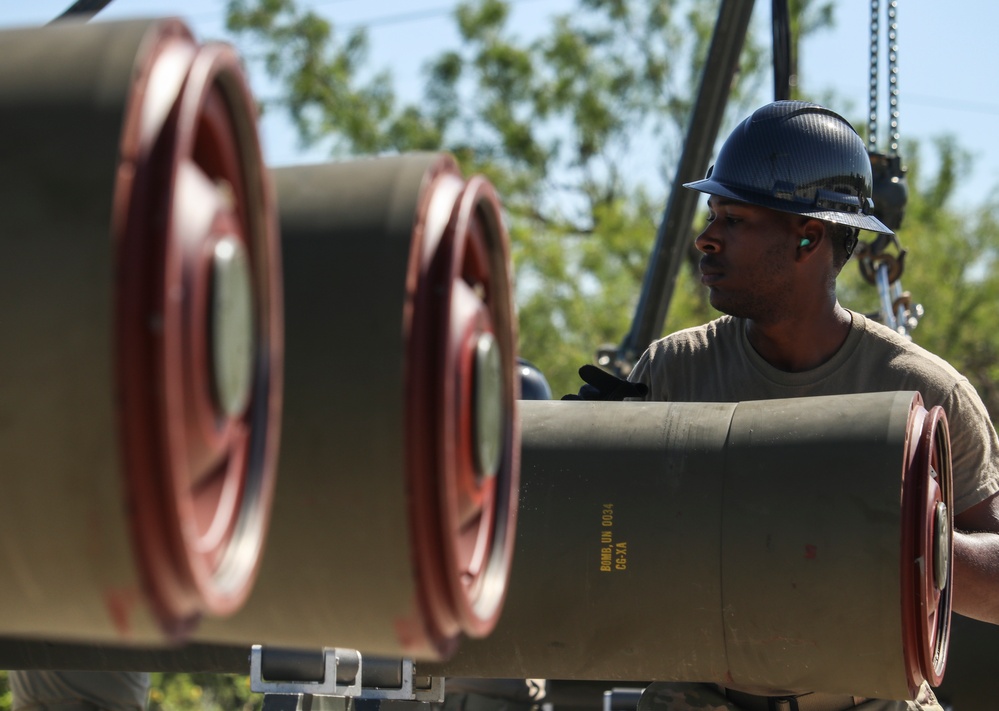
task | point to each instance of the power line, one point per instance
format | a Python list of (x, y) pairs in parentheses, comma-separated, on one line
[(404, 17), (400, 18), (220, 9), (940, 102), (390, 19)]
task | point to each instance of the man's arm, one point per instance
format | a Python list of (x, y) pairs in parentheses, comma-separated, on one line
[(976, 561)]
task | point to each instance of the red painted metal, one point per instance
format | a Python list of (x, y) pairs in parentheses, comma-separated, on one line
[(926, 608), (463, 523), (200, 481)]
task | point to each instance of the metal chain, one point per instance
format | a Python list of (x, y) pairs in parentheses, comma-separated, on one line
[(893, 73), (872, 120)]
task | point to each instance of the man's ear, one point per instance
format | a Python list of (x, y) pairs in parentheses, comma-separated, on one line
[(810, 236)]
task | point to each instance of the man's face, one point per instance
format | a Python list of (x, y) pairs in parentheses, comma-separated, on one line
[(748, 259)]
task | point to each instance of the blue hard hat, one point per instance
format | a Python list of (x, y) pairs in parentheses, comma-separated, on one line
[(797, 157), (533, 384)]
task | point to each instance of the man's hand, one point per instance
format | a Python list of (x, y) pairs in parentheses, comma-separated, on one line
[(601, 385)]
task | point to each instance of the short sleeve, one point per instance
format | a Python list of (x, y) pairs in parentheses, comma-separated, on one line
[(974, 447)]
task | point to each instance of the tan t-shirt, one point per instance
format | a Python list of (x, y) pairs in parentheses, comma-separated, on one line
[(716, 363)]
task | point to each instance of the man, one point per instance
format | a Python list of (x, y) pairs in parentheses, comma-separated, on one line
[(788, 194)]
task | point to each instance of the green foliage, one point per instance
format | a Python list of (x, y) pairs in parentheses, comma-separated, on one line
[(184, 692), (807, 17), (950, 268), (202, 692), (5, 699), (317, 69), (579, 128), (571, 127)]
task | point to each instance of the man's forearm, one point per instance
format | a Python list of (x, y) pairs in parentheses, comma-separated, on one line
[(976, 575)]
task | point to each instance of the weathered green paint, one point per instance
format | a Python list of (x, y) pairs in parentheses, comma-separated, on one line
[(753, 544), (66, 561)]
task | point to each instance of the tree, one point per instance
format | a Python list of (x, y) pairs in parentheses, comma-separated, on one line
[(202, 692), (556, 122), (949, 269), (184, 692), (5, 699), (954, 259)]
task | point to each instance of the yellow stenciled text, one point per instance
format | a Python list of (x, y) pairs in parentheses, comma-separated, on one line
[(607, 539)]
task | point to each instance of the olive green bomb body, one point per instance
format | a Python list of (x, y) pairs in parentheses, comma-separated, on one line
[(753, 544)]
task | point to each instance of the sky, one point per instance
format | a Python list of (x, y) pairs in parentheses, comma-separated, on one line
[(944, 51)]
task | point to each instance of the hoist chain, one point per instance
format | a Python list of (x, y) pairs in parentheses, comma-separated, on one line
[(893, 73), (872, 119), (872, 124), (877, 266)]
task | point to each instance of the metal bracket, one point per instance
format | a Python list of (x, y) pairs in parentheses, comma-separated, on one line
[(622, 698), (328, 686), (408, 691)]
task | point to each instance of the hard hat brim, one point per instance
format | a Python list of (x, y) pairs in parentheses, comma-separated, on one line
[(864, 222)]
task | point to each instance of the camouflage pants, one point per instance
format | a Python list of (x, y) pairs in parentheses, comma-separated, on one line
[(668, 696)]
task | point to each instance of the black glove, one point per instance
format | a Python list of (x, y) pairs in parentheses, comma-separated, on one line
[(601, 385)]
